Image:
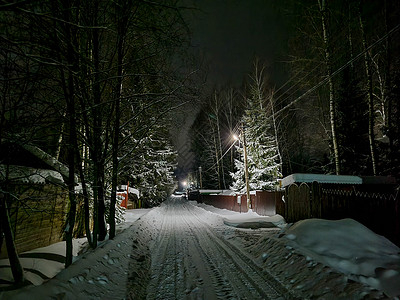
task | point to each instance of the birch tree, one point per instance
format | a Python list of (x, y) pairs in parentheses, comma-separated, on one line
[(370, 98), (323, 6)]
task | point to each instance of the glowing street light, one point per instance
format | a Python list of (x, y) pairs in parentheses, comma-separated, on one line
[(246, 168)]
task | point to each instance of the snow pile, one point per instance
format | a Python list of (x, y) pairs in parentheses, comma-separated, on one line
[(41, 263), (253, 220), (350, 248), (214, 210), (89, 267), (307, 246), (249, 219)]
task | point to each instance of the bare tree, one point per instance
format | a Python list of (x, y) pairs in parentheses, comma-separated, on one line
[(332, 108), (370, 97)]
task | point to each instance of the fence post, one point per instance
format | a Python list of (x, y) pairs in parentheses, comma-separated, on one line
[(287, 217), (315, 200), (291, 194)]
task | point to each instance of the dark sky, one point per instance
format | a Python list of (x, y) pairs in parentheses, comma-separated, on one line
[(229, 33), (226, 36)]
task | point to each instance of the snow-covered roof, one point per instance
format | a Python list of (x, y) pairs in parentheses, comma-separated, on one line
[(215, 192), (36, 159), (23, 174), (48, 159), (303, 177), (131, 190)]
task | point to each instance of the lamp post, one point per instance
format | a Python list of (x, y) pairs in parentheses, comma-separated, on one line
[(246, 171), (201, 183), (246, 168)]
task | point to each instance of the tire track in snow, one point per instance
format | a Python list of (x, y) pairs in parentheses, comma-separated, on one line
[(162, 284), (245, 277), (191, 261), (211, 278)]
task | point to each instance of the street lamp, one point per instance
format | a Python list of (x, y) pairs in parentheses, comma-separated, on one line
[(246, 172), (246, 168), (201, 182)]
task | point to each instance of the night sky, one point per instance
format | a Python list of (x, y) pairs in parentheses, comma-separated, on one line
[(226, 37), (230, 33)]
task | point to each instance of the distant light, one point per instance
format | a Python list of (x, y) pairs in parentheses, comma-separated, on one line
[(184, 183), (235, 137)]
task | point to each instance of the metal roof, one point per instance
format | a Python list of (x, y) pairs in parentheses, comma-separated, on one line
[(303, 177)]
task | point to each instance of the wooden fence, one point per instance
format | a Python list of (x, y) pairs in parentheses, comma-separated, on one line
[(377, 207), (265, 203), (37, 217)]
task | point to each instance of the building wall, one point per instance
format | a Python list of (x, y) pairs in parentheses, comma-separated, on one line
[(37, 213)]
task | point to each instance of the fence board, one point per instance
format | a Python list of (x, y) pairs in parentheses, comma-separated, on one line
[(265, 203), (298, 202), (377, 211)]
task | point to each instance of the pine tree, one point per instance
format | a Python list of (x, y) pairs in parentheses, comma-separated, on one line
[(262, 150), (151, 165), (238, 181)]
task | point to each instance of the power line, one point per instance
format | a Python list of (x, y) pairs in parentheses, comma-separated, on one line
[(336, 72), (220, 157), (317, 85)]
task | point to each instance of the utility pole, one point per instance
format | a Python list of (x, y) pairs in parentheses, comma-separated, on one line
[(246, 171), (201, 184)]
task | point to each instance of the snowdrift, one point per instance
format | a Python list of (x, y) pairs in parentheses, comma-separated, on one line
[(253, 220), (350, 248)]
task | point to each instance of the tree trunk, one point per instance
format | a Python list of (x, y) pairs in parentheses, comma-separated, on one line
[(71, 35), (217, 161), (350, 38), (95, 206), (276, 133), (102, 207), (85, 203), (332, 106), (370, 99), (98, 188), (122, 24), (71, 183), (246, 171), (60, 137), (389, 125), (219, 140), (16, 267), (114, 183)]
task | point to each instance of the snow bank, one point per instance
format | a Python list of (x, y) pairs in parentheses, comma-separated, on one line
[(45, 263), (212, 209), (351, 248), (253, 220), (42, 263), (249, 219), (344, 245)]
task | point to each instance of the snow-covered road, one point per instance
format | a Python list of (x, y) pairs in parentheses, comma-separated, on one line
[(191, 258), (185, 250)]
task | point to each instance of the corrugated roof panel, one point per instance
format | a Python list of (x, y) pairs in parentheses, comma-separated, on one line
[(321, 178)]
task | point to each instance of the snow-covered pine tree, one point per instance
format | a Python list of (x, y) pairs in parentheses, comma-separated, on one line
[(153, 169), (262, 150), (238, 180)]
